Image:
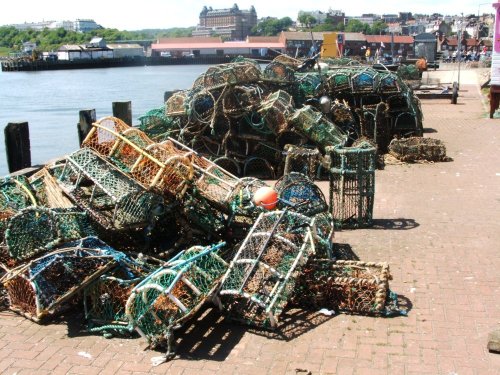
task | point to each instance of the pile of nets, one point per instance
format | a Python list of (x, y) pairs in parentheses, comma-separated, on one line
[(143, 227), (242, 117)]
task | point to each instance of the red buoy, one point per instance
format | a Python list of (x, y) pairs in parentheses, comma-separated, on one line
[(266, 197)]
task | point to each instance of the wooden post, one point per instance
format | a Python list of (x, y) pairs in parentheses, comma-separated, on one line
[(87, 117), (123, 110), (17, 145)]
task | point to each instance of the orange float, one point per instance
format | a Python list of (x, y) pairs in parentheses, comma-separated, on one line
[(266, 197)]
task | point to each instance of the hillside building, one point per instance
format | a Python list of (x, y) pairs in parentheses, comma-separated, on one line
[(230, 24)]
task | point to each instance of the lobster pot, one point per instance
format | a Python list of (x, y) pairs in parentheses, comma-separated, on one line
[(48, 193), (261, 277), (114, 200), (176, 104), (167, 170), (37, 229), (15, 194), (106, 297), (352, 185), (388, 83), (302, 160), (235, 73), (211, 181), (156, 124), (275, 110), (46, 284), (318, 128), (352, 287), (173, 293), (365, 81), (418, 148), (278, 72)]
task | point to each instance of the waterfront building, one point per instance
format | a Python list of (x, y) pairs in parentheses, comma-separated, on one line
[(231, 24), (196, 47)]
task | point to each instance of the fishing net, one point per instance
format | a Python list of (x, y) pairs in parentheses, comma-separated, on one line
[(309, 84), (301, 194), (38, 229), (200, 215), (365, 80), (408, 72), (235, 73), (261, 277), (352, 184), (241, 100), (43, 286), (388, 83), (417, 148), (288, 61), (110, 197), (302, 160), (15, 194), (47, 190), (176, 105), (172, 294), (278, 72), (352, 287), (317, 128), (275, 110), (157, 125), (106, 297), (259, 167), (405, 124), (339, 80)]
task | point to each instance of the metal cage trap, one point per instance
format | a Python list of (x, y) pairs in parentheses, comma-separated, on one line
[(261, 277)]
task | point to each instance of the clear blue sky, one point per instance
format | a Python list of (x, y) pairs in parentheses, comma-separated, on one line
[(133, 15)]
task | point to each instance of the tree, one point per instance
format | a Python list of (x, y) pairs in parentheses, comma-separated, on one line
[(307, 19), (272, 26), (356, 26), (378, 27)]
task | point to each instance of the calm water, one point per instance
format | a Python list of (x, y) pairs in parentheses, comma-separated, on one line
[(51, 100)]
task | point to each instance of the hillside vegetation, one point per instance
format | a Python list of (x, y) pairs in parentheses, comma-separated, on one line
[(11, 39)]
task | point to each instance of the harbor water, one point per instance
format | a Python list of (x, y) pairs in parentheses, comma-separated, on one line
[(50, 101)]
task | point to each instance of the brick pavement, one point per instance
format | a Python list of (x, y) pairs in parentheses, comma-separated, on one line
[(437, 226)]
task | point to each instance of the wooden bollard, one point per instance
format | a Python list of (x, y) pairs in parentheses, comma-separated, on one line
[(17, 145), (87, 117), (123, 110)]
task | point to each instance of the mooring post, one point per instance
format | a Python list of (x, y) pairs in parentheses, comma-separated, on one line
[(123, 110), (87, 117), (17, 145)]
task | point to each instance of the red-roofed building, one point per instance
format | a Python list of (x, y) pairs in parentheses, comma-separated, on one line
[(399, 44), (248, 49)]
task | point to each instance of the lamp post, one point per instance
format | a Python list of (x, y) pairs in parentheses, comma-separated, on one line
[(459, 47)]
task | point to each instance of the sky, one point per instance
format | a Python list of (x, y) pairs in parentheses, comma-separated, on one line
[(163, 14)]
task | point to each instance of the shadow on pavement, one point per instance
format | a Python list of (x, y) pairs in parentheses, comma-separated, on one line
[(394, 224), (293, 323), (208, 336), (343, 251)]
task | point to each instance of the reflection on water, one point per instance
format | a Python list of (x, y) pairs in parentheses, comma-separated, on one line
[(51, 100)]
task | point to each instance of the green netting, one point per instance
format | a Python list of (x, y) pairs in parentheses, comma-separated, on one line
[(408, 72), (261, 277), (275, 110), (106, 297), (46, 285), (302, 160), (15, 194), (315, 126), (157, 125), (37, 229), (352, 287), (352, 184), (278, 73), (173, 293), (310, 84), (235, 73), (111, 198)]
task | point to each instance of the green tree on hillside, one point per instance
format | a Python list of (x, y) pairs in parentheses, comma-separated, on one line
[(272, 26)]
